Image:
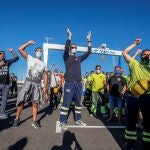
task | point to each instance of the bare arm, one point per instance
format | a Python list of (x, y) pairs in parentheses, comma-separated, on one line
[(45, 82), (126, 52), (124, 84), (107, 87), (23, 47), (136, 53), (123, 90)]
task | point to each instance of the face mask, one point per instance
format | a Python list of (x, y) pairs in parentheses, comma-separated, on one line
[(117, 72), (38, 54), (73, 50), (145, 60), (98, 71)]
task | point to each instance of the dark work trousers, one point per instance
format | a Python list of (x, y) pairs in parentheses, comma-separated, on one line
[(72, 90), (14, 87), (5, 89), (88, 100), (133, 106), (54, 101)]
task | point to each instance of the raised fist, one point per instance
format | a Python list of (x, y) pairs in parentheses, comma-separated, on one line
[(31, 42), (138, 41)]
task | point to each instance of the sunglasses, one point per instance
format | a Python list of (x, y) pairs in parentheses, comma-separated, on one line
[(73, 47)]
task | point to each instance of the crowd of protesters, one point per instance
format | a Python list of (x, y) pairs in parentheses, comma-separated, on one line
[(111, 95)]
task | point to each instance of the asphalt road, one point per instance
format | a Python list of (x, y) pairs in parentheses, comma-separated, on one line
[(25, 137)]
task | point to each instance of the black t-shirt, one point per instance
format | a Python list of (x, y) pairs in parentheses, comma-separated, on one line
[(116, 84), (4, 71), (73, 63)]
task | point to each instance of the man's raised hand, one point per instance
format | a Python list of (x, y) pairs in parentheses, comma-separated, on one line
[(138, 51), (69, 33), (137, 41), (31, 42), (89, 36), (10, 49)]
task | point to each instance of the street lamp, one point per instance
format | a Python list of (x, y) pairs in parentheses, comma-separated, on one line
[(47, 39)]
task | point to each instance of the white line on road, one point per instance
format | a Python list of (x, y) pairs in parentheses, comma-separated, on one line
[(58, 128), (98, 127)]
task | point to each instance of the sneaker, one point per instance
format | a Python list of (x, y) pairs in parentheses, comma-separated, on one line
[(16, 123), (91, 115), (81, 123), (63, 126), (36, 125), (59, 106), (3, 116)]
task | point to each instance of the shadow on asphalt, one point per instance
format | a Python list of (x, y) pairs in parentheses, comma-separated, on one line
[(69, 141), (46, 111), (118, 133), (6, 123), (11, 108), (19, 145)]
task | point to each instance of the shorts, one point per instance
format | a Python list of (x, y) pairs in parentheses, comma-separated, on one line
[(115, 101), (29, 92)]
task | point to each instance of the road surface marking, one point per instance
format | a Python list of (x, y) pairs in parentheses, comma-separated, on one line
[(58, 128), (98, 127)]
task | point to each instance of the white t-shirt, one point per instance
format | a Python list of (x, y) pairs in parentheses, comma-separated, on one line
[(36, 69), (55, 79)]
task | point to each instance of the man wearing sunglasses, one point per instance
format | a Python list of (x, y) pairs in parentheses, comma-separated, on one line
[(4, 79), (73, 85)]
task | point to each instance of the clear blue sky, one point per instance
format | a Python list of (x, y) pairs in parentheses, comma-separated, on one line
[(114, 22)]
